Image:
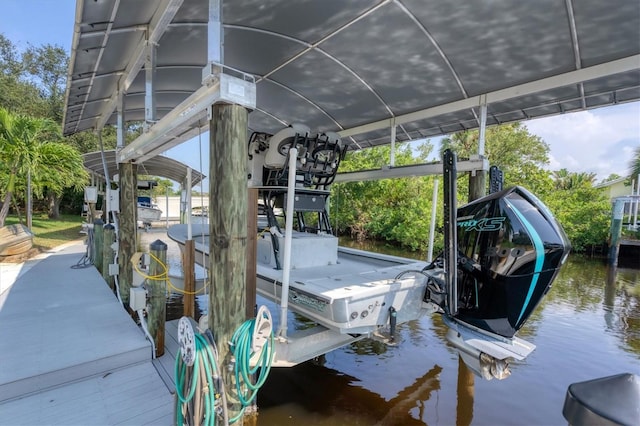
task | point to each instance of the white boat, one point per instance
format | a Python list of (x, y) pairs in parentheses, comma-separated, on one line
[(147, 212), (502, 253), (177, 284)]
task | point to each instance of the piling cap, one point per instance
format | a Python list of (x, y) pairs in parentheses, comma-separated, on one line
[(109, 226), (158, 245), (98, 222), (609, 400)]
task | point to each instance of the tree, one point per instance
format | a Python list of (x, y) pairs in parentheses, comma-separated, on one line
[(47, 66), (27, 146), (634, 165), (564, 179), (519, 154)]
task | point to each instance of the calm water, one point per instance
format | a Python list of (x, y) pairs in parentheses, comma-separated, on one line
[(588, 326)]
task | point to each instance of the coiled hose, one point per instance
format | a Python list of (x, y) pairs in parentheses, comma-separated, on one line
[(200, 386)]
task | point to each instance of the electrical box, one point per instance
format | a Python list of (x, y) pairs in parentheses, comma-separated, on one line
[(114, 200), (137, 298), (91, 194), (114, 269)]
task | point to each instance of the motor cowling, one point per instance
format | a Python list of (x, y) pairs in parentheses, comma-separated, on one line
[(510, 251)]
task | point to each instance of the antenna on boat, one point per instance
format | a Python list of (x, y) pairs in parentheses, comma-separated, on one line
[(450, 235)]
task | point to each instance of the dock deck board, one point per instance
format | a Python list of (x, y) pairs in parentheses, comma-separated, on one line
[(70, 353)]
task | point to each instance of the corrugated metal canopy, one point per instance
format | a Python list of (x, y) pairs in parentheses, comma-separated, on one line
[(156, 166), (360, 66)]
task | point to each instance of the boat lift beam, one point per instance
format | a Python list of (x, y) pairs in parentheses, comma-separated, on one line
[(388, 172)]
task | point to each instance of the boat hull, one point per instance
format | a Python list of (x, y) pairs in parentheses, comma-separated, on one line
[(149, 214), (352, 295), (15, 239)]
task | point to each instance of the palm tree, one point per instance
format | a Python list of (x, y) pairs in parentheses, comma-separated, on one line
[(634, 164), (26, 148), (565, 179)]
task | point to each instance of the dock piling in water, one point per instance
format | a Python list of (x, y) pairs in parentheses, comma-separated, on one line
[(157, 287)]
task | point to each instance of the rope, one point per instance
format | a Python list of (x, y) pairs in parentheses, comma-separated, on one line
[(164, 276)]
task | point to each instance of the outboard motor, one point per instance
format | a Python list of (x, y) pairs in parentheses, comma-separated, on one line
[(510, 249)]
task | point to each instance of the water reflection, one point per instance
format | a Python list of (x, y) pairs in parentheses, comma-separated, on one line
[(323, 395), (588, 326)]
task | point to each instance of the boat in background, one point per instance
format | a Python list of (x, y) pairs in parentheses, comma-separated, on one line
[(15, 239), (147, 212)]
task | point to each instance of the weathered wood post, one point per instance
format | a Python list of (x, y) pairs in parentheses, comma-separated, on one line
[(228, 230), (252, 247), (98, 232), (108, 253), (188, 264), (477, 184), (157, 288), (616, 231), (127, 233)]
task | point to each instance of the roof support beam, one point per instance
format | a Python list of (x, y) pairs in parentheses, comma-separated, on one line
[(573, 77), (157, 26), (412, 170), (120, 120), (149, 86)]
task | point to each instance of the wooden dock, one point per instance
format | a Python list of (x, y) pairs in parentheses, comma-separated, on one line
[(70, 354)]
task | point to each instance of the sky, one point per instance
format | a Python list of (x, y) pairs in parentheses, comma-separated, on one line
[(599, 141)]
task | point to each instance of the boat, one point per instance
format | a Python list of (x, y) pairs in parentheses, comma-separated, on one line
[(177, 284), (15, 239), (147, 212), (502, 253)]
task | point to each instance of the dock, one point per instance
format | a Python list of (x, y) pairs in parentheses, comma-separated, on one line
[(70, 353)]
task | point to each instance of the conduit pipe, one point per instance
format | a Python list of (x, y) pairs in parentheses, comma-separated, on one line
[(288, 234)]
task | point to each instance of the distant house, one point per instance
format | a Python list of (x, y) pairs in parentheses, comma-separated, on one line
[(615, 188)]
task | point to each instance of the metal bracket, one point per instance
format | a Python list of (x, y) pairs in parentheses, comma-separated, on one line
[(236, 87)]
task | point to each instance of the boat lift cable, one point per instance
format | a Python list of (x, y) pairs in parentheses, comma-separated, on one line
[(206, 269)]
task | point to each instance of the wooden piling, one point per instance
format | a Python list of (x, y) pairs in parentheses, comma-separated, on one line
[(252, 254), (127, 233), (616, 231), (228, 230), (188, 271), (98, 238), (108, 253), (477, 185), (157, 288)]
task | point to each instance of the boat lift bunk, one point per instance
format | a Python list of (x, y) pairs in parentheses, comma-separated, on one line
[(502, 253)]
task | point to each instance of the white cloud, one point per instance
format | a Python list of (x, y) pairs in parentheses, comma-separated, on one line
[(599, 141)]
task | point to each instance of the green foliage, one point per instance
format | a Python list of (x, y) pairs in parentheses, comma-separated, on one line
[(30, 146), (634, 165), (393, 210), (584, 212), (398, 211)]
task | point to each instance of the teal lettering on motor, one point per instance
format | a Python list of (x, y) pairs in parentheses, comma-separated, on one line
[(486, 224)]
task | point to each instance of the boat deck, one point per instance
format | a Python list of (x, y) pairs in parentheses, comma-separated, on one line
[(70, 354)]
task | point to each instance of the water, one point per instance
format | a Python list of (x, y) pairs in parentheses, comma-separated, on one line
[(588, 326)]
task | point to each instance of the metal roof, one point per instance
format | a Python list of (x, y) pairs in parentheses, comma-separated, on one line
[(156, 166), (361, 67)]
